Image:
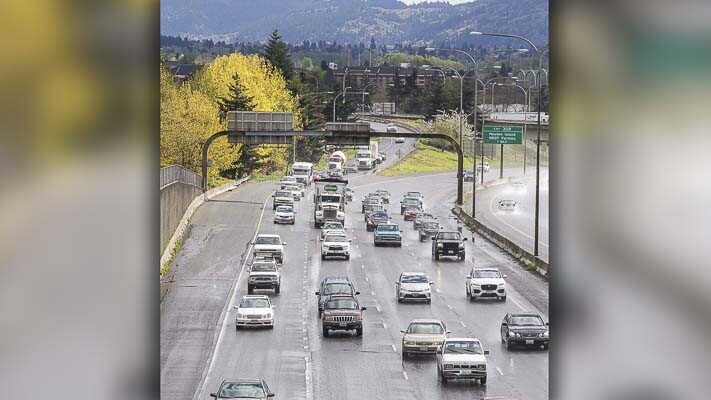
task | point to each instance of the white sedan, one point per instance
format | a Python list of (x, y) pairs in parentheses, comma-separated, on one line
[(255, 310)]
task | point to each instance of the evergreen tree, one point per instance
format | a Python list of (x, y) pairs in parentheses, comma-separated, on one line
[(436, 99), (324, 65), (235, 100), (277, 53)]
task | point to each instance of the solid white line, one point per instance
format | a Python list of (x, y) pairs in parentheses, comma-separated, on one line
[(378, 308), (385, 326), (230, 304), (462, 324), (393, 346), (366, 279), (308, 379), (491, 205), (499, 371)]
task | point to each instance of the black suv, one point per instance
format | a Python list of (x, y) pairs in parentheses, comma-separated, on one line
[(342, 313), (448, 244), (334, 286)]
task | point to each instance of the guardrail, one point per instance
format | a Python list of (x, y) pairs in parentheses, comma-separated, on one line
[(521, 254), (178, 173)]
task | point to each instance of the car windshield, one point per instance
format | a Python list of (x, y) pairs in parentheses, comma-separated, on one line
[(332, 225), (242, 390), (335, 238), (527, 320), (254, 303), (382, 192), (288, 179), (330, 199), (268, 240), (449, 236), (429, 328), (283, 193), (284, 209), (424, 216), (413, 194), (430, 225), (467, 347), (388, 228), (263, 267), (337, 288), (380, 214), (411, 201), (301, 171), (486, 274), (341, 304), (414, 279)]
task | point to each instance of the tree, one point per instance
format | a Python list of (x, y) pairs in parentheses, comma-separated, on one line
[(277, 53), (235, 99), (307, 63), (324, 65)]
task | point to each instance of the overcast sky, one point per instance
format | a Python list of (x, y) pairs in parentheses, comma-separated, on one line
[(446, 1)]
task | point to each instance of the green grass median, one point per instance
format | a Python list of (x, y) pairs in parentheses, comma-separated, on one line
[(425, 159)]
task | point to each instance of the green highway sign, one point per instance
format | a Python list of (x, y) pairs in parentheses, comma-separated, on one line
[(503, 134)]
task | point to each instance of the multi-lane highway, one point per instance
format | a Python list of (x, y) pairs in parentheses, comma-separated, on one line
[(200, 345)]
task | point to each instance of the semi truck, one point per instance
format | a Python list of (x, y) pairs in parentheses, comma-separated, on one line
[(367, 156), (329, 201), (337, 160), (302, 171)]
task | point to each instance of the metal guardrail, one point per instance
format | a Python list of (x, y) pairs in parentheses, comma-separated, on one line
[(178, 173)]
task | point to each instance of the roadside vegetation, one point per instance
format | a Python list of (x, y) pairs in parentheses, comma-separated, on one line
[(425, 159)]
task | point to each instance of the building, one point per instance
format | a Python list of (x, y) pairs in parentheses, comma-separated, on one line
[(358, 77), (183, 72)]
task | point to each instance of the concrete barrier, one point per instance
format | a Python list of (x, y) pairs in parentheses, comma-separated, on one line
[(520, 254), (167, 212)]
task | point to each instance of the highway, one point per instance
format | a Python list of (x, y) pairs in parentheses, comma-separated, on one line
[(200, 346)]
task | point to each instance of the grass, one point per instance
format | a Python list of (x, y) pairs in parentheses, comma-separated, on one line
[(218, 181), (165, 267), (425, 159)]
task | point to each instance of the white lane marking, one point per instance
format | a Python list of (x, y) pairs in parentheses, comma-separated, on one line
[(462, 324), (405, 375), (378, 308), (393, 346), (437, 290), (308, 379), (230, 304), (517, 303), (366, 279), (448, 306), (499, 371), (385, 326), (372, 293), (491, 208), (362, 265)]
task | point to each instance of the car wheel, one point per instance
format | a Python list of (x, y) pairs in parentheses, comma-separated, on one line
[(545, 347), (503, 341), (359, 331), (503, 298), (323, 257), (405, 354), (483, 380), (472, 298), (508, 345), (348, 257), (429, 301), (469, 295), (399, 300), (276, 289), (250, 289), (436, 255), (237, 327), (443, 378), (271, 326), (325, 332)]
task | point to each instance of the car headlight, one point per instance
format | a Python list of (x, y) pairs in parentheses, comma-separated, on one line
[(328, 318), (409, 342), (268, 316), (440, 245), (461, 245), (448, 366), (241, 315), (545, 334), (319, 213), (512, 334)]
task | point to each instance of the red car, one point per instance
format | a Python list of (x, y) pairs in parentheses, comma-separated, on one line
[(411, 213)]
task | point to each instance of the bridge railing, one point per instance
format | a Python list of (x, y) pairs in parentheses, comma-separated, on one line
[(178, 173)]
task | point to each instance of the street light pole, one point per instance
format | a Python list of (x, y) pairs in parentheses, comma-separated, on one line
[(539, 53), (335, 98), (363, 101)]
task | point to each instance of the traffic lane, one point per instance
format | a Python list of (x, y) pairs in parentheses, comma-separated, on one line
[(278, 355), (416, 256), (199, 282)]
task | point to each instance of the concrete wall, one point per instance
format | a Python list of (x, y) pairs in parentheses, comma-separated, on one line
[(174, 200)]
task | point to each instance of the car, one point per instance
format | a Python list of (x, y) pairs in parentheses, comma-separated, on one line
[(336, 244), (413, 286), (260, 256), (420, 217), (282, 198), (295, 191), (428, 229), (351, 168), (448, 243), (375, 218), (400, 140), (348, 194), (519, 186), (387, 234), (284, 215), (371, 208), (329, 226), (392, 128), (462, 358), (507, 205), (411, 212), (332, 286), (270, 243), (335, 174), (485, 167), (410, 203), (384, 195), (240, 388), (423, 336), (468, 175), (414, 195), (383, 157), (264, 274), (486, 282), (254, 310), (524, 329), (287, 181), (342, 313), (370, 200)]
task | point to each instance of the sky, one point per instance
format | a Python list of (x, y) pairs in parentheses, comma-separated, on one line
[(444, 1)]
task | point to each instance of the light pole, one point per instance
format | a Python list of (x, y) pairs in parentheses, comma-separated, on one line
[(346, 73), (364, 92), (539, 54), (335, 98)]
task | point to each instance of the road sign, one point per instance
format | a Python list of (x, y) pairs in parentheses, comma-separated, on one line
[(503, 134)]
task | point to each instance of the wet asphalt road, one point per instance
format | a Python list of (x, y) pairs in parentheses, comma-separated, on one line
[(294, 357)]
